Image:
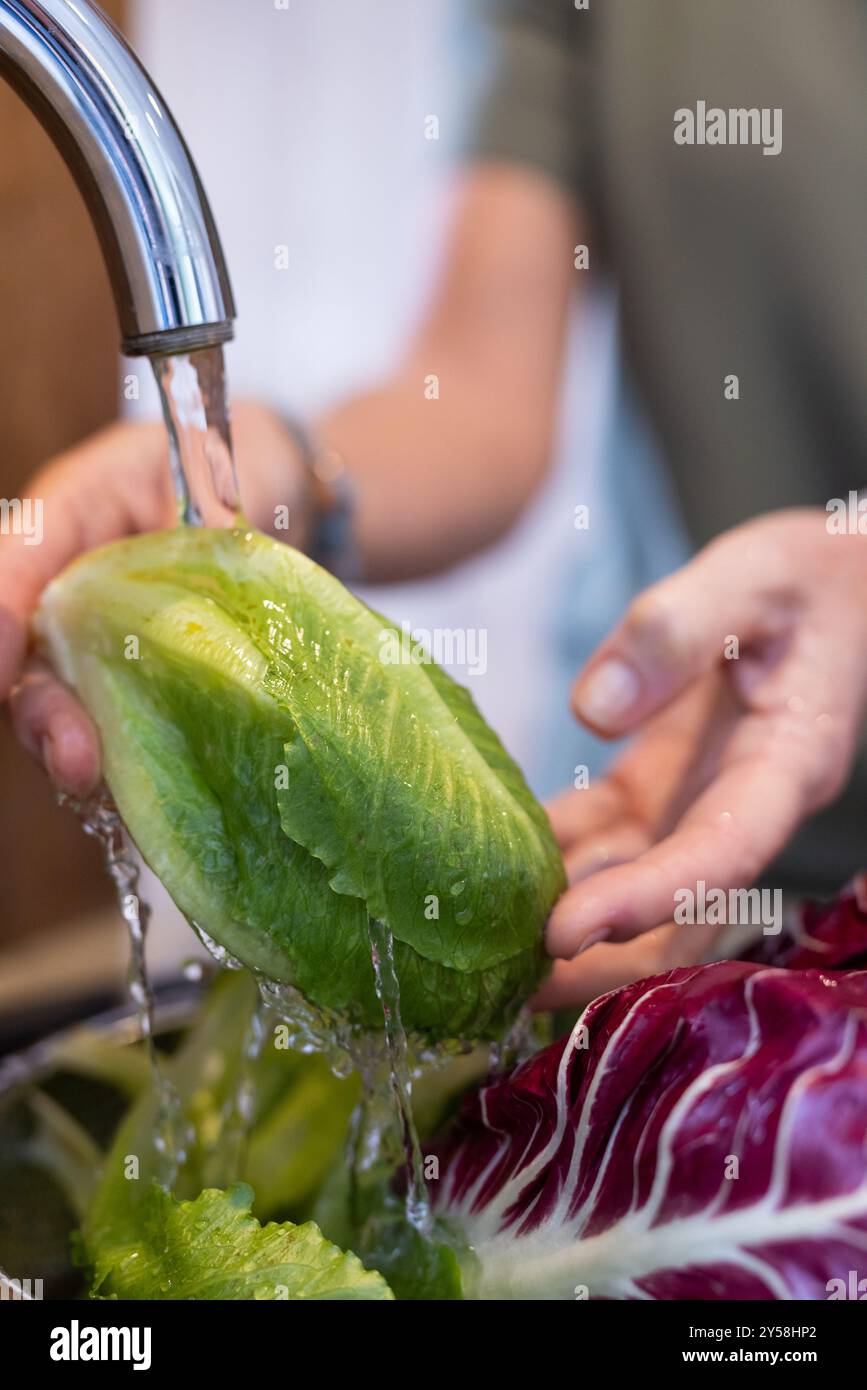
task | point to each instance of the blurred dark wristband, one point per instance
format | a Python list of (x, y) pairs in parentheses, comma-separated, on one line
[(331, 531)]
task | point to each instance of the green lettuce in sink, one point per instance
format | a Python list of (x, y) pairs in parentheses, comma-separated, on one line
[(202, 1240), (288, 784), (213, 1247)]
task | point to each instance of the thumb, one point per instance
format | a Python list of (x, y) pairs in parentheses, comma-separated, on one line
[(731, 599)]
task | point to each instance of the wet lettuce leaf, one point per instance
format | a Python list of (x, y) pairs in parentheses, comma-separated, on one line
[(287, 784), (296, 1131), (371, 1219), (214, 1248), (136, 1241)]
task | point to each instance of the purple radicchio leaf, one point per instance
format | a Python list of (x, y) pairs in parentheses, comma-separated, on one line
[(699, 1135), (822, 936)]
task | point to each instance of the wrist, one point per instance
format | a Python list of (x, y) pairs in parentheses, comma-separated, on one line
[(328, 511)]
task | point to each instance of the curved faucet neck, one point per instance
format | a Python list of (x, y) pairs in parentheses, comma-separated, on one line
[(116, 134)]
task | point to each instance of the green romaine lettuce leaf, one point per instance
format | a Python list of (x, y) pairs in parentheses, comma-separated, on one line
[(287, 783), (214, 1248), (297, 1129), (137, 1242)]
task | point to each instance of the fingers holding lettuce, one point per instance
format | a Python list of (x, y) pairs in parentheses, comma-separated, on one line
[(743, 680), (113, 485)]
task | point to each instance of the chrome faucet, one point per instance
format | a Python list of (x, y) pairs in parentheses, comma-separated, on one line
[(116, 134)]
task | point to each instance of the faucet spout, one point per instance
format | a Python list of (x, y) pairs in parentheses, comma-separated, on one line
[(116, 134)]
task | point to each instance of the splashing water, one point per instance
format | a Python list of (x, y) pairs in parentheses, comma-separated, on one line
[(194, 401), (517, 1044), (309, 1028), (400, 1081), (215, 950), (100, 818), (383, 1133), (230, 1154)]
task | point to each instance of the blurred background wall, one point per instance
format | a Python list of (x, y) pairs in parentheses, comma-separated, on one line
[(58, 382)]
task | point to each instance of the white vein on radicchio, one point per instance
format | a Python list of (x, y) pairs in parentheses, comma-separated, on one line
[(824, 936), (700, 1134)]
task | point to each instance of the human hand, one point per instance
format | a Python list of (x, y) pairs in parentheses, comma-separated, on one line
[(744, 678), (115, 484)]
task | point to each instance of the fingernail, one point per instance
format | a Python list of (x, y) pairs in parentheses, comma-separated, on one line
[(608, 692), (592, 940), (68, 762)]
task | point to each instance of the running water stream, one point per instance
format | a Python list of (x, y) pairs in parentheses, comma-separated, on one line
[(418, 1209), (100, 818), (230, 1153), (195, 407), (384, 1133)]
